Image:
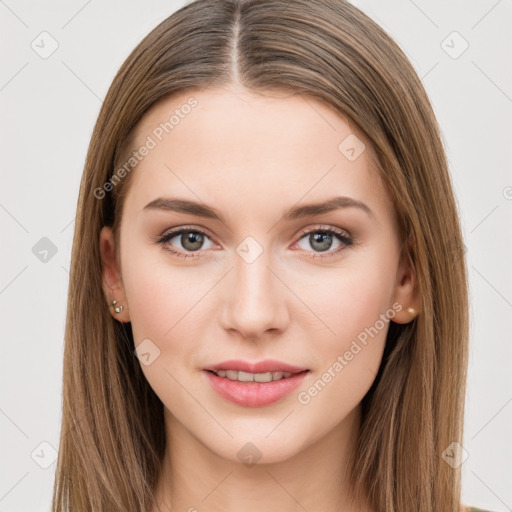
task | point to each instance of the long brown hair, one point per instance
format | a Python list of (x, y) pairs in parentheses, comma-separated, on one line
[(112, 437)]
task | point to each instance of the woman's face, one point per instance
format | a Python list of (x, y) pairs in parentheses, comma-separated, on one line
[(262, 279)]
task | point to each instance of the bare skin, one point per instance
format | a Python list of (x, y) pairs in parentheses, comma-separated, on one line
[(253, 157)]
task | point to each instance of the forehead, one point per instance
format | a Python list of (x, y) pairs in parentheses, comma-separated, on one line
[(233, 144)]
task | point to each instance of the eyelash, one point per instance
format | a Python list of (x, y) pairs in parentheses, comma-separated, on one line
[(346, 240)]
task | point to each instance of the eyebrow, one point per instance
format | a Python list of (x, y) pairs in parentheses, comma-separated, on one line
[(297, 212)]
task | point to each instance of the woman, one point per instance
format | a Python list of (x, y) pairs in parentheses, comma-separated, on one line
[(268, 295)]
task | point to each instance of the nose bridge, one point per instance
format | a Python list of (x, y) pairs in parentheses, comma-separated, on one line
[(255, 299)]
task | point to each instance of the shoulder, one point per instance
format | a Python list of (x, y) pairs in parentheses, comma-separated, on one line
[(474, 509)]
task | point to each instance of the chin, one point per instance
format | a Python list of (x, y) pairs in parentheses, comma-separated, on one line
[(257, 448)]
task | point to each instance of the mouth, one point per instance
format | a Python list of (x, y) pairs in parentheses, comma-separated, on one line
[(241, 376), (255, 384)]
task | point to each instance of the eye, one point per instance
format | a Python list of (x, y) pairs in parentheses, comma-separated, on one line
[(190, 240), (322, 239)]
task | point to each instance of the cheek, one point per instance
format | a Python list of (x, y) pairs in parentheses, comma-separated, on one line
[(161, 296), (349, 359), (163, 319), (354, 308), (348, 303), (169, 305)]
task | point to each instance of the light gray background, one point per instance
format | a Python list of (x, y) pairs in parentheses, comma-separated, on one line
[(48, 108)]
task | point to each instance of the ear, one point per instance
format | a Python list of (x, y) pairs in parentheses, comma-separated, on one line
[(111, 276), (406, 289)]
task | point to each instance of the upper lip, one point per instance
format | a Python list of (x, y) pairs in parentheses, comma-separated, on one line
[(268, 365)]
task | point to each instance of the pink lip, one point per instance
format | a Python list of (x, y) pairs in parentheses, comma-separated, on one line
[(255, 394), (268, 365)]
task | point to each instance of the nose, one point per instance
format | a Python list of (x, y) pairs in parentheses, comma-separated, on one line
[(256, 299)]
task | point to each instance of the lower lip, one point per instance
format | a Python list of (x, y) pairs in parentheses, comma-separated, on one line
[(255, 394)]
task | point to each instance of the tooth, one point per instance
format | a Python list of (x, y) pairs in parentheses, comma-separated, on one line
[(263, 377), (250, 377), (245, 377)]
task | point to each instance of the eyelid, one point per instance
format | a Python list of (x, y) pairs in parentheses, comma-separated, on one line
[(324, 227), (177, 229)]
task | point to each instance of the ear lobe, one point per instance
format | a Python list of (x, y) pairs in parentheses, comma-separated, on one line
[(406, 291), (111, 277)]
